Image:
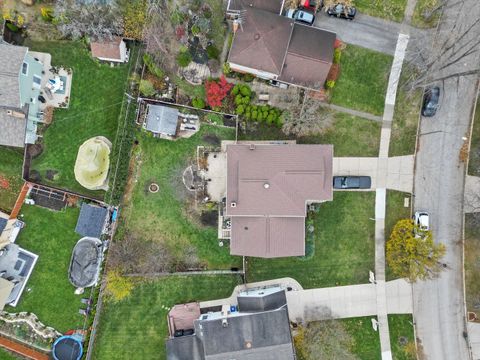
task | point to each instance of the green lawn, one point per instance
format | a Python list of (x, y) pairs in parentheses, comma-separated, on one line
[(96, 99), (474, 156), (350, 136), (344, 246), (402, 339), (387, 9), (363, 80), (6, 355), (163, 217), (423, 17), (51, 236), (11, 161), (136, 328), (472, 262), (345, 339), (405, 117)]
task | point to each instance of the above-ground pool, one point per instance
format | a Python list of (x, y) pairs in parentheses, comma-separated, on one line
[(67, 348)]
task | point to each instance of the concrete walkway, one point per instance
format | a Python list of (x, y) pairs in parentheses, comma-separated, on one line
[(381, 193), (472, 194), (395, 173), (349, 111)]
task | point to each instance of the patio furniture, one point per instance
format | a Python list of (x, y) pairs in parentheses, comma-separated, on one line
[(86, 301), (55, 84)]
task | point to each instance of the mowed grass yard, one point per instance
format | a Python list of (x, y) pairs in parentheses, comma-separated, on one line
[(344, 246), (11, 161), (164, 216), (402, 339), (51, 235), (136, 328), (96, 98), (349, 135), (388, 9), (363, 80)]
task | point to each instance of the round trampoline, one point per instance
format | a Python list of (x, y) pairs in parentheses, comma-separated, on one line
[(67, 348)]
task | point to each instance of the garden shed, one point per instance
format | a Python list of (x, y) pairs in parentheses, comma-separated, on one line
[(162, 119), (91, 221)]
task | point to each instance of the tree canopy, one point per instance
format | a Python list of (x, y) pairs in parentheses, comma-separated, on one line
[(412, 253)]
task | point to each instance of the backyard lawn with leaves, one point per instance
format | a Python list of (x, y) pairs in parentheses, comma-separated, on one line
[(136, 327), (349, 135), (344, 246), (95, 102), (166, 216), (11, 161), (49, 294), (363, 80)]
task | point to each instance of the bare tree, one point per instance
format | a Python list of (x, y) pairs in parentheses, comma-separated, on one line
[(95, 19), (451, 52), (307, 117)]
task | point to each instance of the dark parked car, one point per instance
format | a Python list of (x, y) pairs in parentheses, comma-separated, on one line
[(430, 101), (352, 182), (342, 11)]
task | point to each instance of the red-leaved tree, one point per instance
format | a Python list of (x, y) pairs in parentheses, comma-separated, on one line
[(217, 91)]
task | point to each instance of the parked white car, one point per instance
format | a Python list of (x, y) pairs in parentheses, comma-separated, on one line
[(422, 220)]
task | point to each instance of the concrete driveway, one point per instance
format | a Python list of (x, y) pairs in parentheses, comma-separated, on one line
[(347, 301), (398, 174), (367, 31)]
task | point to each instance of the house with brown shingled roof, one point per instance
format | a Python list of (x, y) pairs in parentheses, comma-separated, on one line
[(113, 50), (274, 47), (268, 189)]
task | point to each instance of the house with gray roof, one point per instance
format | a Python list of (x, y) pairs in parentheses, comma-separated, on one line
[(257, 327), (21, 76)]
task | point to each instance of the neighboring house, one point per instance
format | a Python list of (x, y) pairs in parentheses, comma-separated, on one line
[(113, 50), (16, 264), (21, 77), (274, 47), (268, 188), (256, 327), (162, 120)]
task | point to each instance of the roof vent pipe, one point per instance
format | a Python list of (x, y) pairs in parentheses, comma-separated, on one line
[(233, 204)]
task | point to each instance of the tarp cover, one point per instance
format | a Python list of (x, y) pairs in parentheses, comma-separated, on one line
[(85, 264)]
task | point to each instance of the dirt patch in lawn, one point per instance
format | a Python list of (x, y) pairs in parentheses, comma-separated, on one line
[(4, 183)]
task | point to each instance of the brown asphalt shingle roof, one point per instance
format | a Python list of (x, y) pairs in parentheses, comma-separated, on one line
[(298, 54), (262, 41), (107, 49), (270, 186)]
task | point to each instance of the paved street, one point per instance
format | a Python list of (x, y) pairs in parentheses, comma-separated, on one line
[(439, 309)]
